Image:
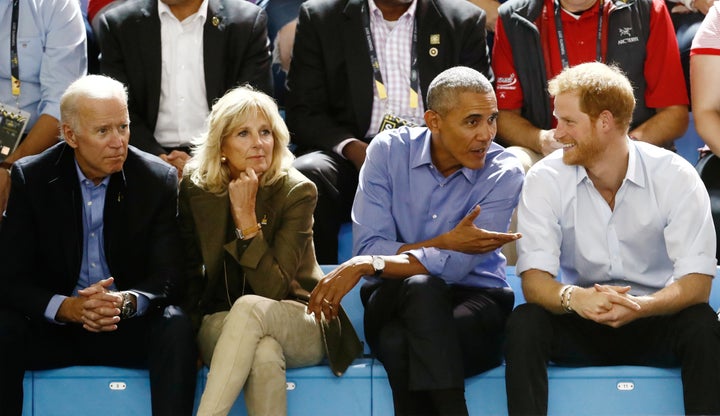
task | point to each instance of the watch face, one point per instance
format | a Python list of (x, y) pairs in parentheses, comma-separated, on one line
[(378, 264)]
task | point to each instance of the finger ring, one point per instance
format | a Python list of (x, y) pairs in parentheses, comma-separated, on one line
[(326, 301)]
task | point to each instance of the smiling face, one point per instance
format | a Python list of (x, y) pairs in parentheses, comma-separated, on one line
[(99, 136), (249, 145), (462, 136), (577, 132)]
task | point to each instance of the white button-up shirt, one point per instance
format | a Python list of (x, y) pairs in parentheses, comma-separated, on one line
[(660, 230), (183, 98)]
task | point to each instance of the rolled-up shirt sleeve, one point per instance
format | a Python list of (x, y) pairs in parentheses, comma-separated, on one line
[(539, 224), (402, 199)]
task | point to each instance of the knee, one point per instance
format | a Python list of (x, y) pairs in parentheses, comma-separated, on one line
[(177, 323), (175, 330), (248, 306), (425, 288), (313, 166), (269, 352), (698, 324), (527, 324)]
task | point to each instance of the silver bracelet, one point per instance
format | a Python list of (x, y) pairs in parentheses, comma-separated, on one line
[(567, 306)]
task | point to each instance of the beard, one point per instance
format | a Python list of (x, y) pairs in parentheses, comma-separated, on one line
[(586, 152)]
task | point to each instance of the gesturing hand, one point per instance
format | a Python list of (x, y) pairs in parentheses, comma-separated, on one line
[(467, 238)]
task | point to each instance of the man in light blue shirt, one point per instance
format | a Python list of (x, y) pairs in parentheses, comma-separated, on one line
[(617, 255), (52, 53), (429, 218)]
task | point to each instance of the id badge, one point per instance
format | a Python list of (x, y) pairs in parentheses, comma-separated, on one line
[(392, 122), (12, 125)]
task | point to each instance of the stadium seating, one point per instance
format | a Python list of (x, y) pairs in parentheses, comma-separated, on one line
[(364, 390)]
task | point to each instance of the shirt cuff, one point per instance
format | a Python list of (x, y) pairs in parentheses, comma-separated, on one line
[(697, 264), (143, 302), (433, 259), (539, 261), (53, 307), (340, 146)]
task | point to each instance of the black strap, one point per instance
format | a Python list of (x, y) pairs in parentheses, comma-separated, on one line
[(14, 64), (561, 36), (377, 75)]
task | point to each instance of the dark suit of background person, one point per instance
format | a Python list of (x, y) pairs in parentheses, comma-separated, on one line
[(330, 90), (41, 242), (235, 47)]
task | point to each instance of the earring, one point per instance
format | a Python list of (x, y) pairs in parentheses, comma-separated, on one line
[(223, 159)]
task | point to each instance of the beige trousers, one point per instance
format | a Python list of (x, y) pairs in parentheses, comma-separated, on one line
[(250, 346)]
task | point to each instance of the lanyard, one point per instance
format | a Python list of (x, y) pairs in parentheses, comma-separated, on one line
[(14, 65), (377, 75), (561, 36)]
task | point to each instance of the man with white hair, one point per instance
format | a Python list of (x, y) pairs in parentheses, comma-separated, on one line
[(91, 256)]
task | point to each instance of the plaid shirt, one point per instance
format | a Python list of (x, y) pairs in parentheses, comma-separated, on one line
[(393, 43)]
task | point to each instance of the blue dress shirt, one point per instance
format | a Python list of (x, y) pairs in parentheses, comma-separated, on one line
[(402, 199), (52, 53), (93, 267)]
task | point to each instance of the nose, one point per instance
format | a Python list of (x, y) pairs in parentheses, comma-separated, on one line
[(255, 137), (118, 138), (486, 132)]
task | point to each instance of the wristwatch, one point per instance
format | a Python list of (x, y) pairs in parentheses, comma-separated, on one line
[(128, 309), (378, 264)]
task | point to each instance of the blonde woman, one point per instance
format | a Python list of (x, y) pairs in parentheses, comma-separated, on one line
[(246, 218)]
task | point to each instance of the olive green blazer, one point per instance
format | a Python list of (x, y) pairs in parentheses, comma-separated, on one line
[(279, 262)]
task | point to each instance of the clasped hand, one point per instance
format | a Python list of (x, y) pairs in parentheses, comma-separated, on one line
[(467, 238), (608, 305), (95, 307)]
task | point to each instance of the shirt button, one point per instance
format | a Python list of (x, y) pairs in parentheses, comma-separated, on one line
[(92, 234), (89, 203), (92, 264), (434, 216)]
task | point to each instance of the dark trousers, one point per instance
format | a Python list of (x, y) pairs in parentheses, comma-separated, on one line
[(689, 338), (430, 336), (336, 180), (163, 342)]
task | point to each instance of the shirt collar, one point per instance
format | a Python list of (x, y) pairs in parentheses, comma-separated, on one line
[(423, 157), (200, 14), (409, 13), (84, 179), (634, 172)]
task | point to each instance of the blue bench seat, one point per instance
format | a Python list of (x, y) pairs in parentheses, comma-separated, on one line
[(364, 390)]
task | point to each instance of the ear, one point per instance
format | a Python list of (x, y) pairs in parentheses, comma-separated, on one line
[(69, 135), (605, 121), (432, 120)]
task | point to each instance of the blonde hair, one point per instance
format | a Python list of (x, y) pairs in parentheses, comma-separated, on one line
[(228, 113), (600, 87)]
